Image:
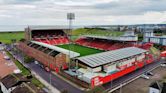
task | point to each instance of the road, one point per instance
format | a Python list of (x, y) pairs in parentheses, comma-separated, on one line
[(55, 81)]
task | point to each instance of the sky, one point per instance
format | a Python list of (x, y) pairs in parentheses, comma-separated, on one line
[(88, 12)]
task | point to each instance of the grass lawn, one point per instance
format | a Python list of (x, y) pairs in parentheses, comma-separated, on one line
[(81, 49), (83, 31), (6, 37)]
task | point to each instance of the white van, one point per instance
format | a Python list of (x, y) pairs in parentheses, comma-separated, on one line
[(6, 57)]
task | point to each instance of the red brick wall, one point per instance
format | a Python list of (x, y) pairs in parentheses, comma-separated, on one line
[(45, 59)]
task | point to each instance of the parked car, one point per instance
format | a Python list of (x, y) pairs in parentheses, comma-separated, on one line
[(6, 57), (149, 73), (145, 76), (163, 64), (47, 69), (3, 52), (41, 65), (36, 62)]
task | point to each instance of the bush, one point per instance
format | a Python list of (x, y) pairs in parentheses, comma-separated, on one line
[(140, 37), (64, 91), (98, 89), (28, 59)]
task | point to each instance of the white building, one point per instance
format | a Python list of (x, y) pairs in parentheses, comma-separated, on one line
[(150, 37)]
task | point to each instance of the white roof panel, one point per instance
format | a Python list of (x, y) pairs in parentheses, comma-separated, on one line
[(120, 38), (64, 51), (110, 56), (47, 27)]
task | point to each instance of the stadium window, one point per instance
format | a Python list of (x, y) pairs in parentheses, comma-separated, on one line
[(54, 53), (30, 44), (47, 51), (33, 45), (37, 46), (42, 48)]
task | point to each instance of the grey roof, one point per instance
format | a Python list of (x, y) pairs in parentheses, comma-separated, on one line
[(120, 38), (110, 56), (64, 51), (163, 37), (47, 27)]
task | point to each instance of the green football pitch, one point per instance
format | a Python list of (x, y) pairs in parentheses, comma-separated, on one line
[(81, 49)]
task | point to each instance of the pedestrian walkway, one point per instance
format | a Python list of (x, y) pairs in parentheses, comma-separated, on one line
[(50, 87), (71, 83)]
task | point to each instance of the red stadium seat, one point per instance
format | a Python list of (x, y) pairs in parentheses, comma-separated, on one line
[(50, 37), (102, 44)]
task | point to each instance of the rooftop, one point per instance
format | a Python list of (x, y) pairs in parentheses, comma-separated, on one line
[(27, 88), (110, 56), (72, 54), (21, 89), (11, 80), (120, 38), (47, 27)]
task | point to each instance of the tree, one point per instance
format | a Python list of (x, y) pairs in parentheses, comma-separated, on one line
[(22, 40), (64, 91), (98, 89)]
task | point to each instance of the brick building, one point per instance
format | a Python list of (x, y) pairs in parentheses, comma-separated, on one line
[(48, 55)]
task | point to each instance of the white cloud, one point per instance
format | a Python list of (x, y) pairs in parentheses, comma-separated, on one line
[(88, 12), (82, 3)]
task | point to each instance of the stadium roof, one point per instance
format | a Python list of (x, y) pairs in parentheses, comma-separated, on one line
[(110, 56), (163, 37), (47, 27), (72, 54), (120, 38)]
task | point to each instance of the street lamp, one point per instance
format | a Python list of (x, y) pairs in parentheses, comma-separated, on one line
[(70, 17)]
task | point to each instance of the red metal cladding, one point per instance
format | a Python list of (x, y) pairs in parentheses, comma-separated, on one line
[(141, 64), (102, 80)]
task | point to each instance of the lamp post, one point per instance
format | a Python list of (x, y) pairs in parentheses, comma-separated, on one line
[(70, 18)]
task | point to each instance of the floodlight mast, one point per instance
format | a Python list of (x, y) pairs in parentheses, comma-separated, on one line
[(70, 17)]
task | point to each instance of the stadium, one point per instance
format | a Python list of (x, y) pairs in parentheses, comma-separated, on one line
[(90, 60)]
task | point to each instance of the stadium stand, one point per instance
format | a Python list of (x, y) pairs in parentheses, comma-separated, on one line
[(47, 35), (103, 44)]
